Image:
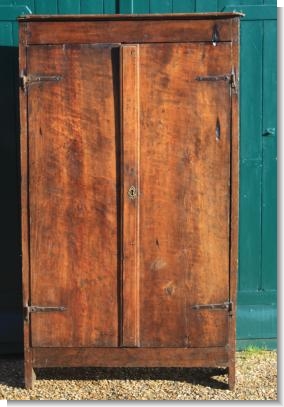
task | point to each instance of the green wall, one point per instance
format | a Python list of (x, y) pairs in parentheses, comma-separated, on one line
[(256, 314)]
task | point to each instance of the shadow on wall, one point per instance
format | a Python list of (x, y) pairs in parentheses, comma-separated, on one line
[(10, 249)]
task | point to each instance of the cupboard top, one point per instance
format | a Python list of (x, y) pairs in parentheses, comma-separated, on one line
[(109, 17), (150, 28)]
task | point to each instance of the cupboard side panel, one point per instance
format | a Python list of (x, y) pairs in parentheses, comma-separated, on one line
[(234, 212), (25, 209)]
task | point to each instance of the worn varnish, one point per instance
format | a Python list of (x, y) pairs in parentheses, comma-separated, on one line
[(129, 161), (73, 195), (185, 185), (130, 357), (130, 131)]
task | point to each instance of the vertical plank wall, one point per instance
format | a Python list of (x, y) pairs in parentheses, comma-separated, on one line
[(256, 316)]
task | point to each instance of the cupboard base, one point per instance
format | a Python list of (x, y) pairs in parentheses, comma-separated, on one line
[(129, 357)]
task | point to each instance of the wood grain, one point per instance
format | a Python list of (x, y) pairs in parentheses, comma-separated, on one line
[(129, 31), (185, 194), (132, 17), (130, 174), (130, 357), (72, 195), (129, 111), (28, 366), (234, 224)]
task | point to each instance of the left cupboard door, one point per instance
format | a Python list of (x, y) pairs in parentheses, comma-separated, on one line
[(73, 183)]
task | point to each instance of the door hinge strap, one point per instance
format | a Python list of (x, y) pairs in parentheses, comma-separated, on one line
[(223, 306), (26, 80), (35, 308), (213, 78), (231, 78)]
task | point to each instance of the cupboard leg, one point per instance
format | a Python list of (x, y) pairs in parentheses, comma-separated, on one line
[(30, 375), (231, 376)]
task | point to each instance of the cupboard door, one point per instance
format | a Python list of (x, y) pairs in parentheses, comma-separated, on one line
[(73, 160), (183, 200)]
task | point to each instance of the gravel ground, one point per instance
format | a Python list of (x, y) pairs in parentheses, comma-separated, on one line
[(256, 380)]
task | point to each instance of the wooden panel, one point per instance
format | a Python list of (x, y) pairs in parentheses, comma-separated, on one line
[(255, 12), (10, 13), (130, 17), (260, 2), (183, 6), (274, 2), (251, 89), (25, 213), (92, 7), (223, 4), (234, 208), (111, 6), (269, 165), (131, 143), (251, 155), (29, 3), (205, 6), (46, 7), (6, 34), (184, 193), (68, 6), (53, 32), (157, 6), (250, 225), (72, 195), (130, 357), (258, 321), (141, 6)]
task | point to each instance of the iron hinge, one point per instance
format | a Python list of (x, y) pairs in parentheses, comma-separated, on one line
[(213, 78), (27, 80), (35, 308), (228, 306), (233, 82), (230, 78)]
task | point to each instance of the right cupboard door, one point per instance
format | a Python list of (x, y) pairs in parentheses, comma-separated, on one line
[(177, 112)]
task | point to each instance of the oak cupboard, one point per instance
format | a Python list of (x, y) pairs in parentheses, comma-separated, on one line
[(129, 189)]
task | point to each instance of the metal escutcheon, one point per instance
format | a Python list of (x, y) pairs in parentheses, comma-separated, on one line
[(132, 193)]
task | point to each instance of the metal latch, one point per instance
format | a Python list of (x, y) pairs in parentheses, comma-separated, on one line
[(35, 308), (26, 80), (223, 306)]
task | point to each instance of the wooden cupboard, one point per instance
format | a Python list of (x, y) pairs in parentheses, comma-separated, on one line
[(129, 183)]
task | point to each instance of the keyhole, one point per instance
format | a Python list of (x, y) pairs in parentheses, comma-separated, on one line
[(132, 192)]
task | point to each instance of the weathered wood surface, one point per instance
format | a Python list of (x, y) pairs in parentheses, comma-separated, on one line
[(129, 271), (130, 133), (128, 31), (184, 194), (130, 357), (234, 210), (29, 372), (131, 17), (73, 195)]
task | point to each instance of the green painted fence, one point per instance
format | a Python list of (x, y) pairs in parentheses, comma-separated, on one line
[(256, 314)]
